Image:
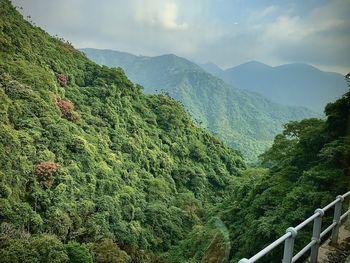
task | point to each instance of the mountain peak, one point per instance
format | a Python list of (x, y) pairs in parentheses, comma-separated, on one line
[(91, 50), (169, 55), (295, 84), (298, 66), (250, 66), (255, 64)]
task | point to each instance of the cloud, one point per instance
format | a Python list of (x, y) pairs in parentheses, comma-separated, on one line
[(266, 12), (322, 37), (169, 17), (318, 35), (227, 32), (159, 14)]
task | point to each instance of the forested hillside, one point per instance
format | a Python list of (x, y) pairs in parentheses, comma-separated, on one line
[(307, 166), (91, 169), (243, 119)]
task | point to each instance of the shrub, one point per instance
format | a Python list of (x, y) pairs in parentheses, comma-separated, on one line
[(65, 106), (49, 249), (42, 248), (108, 252), (62, 80), (73, 116), (45, 171), (67, 109), (78, 253), (5, 190)]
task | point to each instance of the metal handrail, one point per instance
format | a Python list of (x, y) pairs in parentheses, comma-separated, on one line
[(269, 248), (289, 237), (326, 231), (304, 250)]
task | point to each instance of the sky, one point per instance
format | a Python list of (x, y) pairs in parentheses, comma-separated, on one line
[(225, 32)]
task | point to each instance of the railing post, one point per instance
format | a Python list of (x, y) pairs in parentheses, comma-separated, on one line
[(336, 219), (289, 245), (244, 260), (316, 232)]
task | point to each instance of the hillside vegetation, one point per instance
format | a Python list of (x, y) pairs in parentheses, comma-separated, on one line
[(244, 120), (309, 165), (93, 170)]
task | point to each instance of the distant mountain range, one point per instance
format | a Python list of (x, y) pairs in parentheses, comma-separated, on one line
[(291, 84), (243, 119)]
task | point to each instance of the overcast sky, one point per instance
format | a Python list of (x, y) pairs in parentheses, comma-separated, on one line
[(226, 32)]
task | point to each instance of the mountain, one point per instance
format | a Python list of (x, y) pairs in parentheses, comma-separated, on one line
[(291, 84), (243, 119), (212, 68), (91, 168)]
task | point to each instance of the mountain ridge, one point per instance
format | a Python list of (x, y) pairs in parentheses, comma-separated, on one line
[(242, 118), (294, 84)]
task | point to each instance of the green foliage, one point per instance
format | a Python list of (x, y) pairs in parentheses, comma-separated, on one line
[(309, 165), (244, 120), (108, 252), (78, 253), (114, 182), (206, 243), (21, 247), (138, 181)]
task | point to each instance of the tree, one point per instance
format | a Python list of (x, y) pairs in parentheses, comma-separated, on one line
[(107, 251), (78, 253)]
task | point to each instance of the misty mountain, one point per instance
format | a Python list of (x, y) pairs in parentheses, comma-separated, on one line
[(291, 84), (243, 119), (212, 68)]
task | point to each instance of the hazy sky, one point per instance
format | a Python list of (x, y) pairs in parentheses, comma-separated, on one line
[(226, 32)]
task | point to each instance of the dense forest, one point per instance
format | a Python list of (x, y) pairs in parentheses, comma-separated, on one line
[(94, 170), (244, 120)]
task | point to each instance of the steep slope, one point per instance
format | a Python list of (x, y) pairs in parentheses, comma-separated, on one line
[(292, 84), (243, 119), (91, 169), (309, 165)]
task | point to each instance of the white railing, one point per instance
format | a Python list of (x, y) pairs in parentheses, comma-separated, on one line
[(289, 237)]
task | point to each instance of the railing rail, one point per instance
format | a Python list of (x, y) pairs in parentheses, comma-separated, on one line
[(291, 233)]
